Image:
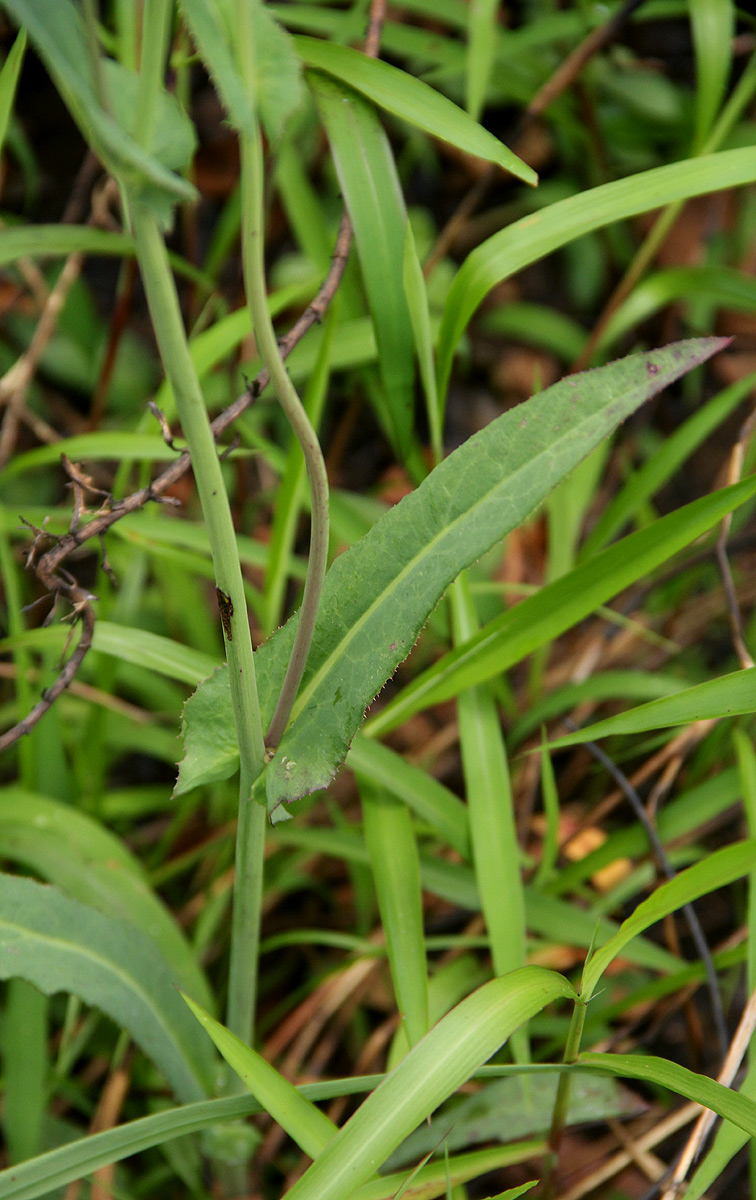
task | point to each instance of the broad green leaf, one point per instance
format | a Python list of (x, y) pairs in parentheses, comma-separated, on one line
[(305, 1123), (412, 100), (723, 1100), (60, 945), (87, 862), (727, 696), (540, 233), (373, 196), (390, 840), (379, 593), (9, 81), (715, 871), (542, 617), (433, 1070)]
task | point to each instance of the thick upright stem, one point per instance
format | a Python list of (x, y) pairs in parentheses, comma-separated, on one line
[(169, 330)]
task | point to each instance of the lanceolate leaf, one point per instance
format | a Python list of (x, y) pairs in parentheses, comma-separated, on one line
[(60, 945), (378, 594), (410, 98), (368, 178)]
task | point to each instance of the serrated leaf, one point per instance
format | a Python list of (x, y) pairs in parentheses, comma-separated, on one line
[(379, 593), (60, 945), (412, 100)]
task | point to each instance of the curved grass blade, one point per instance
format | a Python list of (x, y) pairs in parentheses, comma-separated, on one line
[(540, 233), (367, 174), (541, 617), (715, 871), (412, 100), (58, 945), (305, 1123), (88, 863), (729, 696), (729, 1104), (9, 81), (432, 1071)]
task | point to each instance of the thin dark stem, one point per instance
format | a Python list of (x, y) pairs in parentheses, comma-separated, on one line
[(696, 932)]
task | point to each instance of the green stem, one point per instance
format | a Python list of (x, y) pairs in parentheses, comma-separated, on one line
[(564, 1091), (254, 283), (169, 330)]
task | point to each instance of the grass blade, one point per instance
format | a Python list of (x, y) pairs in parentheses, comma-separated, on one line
[(412, 100), (373, 196), (391, 844), (538, 234), (728, 696), (715, 871)]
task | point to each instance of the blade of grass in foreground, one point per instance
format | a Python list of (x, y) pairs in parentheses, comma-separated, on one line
[(433, 1070)]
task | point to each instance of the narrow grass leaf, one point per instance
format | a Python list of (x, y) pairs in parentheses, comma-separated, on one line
[(604, 685), (417, 300), (496, 855), (9, 81), (713, 27), (58, 945), (432, 1071), (481, 50), (540, 233), (390, 840), (429, 1181), (665, 462), (427, 798), (414, 101), (306, 1124), (542, 617), (728, 1141), (68, 848), (715, 871), (367, 175), (379, 593), (728, 696), (722, 1100)]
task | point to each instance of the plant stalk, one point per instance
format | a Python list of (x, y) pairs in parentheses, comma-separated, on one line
[(252, 193), (166, 317), (564, 1091)]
